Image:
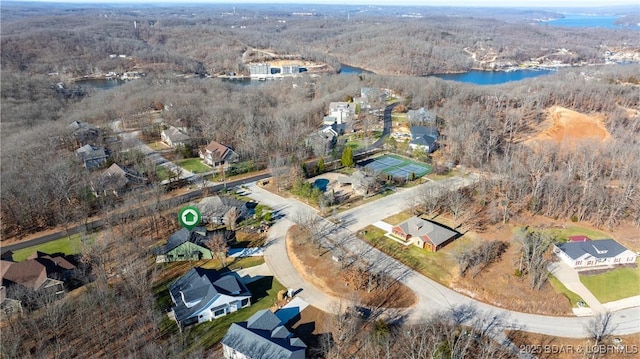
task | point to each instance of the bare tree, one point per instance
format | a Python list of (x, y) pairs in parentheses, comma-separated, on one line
[(533, 258), (219, 247), (600, 327)]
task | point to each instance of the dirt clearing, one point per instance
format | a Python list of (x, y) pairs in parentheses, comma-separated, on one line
[(565, 126)]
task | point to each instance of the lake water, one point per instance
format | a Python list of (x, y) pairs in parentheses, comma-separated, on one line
[(493, 78), (99, 84), (350, 70), (571, 20)]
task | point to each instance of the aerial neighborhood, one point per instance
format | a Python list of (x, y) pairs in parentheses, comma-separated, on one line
[(319, 181)]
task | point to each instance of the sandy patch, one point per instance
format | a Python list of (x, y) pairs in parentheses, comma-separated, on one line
[(565, 126)]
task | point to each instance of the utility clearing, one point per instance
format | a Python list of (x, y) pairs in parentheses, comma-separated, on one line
[(567, 127)]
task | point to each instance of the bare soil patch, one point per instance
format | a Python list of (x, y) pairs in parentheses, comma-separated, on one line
[(323, 272), (549, 347), (565, 126)]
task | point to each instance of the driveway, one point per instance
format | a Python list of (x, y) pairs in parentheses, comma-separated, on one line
[(431, 295), (570, 278)]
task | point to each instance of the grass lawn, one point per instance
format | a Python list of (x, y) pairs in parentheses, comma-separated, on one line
[(66, 245), (560, 288), (193, 165), (158, 146), (398, 218), (206, 335), (613, 285), (439, 266), (162, 172), (564, 233)]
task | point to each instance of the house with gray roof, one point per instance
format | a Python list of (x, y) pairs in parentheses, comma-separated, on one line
[(190, 245), (603, 252), (116, 180), (263, 336), (92, 156), (425, 234), (173, 137), (204, 295), (424, 138), (222, 210)]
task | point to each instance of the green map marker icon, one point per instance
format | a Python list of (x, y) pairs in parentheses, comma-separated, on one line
[(189, 217)]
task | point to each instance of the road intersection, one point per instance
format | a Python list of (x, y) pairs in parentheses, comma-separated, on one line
[(432, 296)]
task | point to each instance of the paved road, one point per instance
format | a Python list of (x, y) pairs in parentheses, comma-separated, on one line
[(431, 295)]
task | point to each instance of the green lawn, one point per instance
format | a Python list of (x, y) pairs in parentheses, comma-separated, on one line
[(162, 172), (613, 285), (206, 335), (560, 288), (193, 165), (66, 245), (439, 266), (563, 233)]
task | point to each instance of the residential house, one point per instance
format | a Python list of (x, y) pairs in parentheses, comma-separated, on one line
[(424, 138), (92, 156), (421, 117), (173, 137), (263, 335), (424, 234), (30, 274), (84, 133), (57, 265), (185, 245), (221, 210), (321, 142), (217, 154), (204, 295), (342, 111), (603, 252), (116, 180)]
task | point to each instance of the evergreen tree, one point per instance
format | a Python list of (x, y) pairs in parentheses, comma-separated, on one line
[(347, 157)]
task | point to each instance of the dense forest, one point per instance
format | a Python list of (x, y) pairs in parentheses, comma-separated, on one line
[(484, 128)]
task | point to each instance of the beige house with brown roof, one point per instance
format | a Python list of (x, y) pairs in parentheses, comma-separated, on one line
[(217, 154)]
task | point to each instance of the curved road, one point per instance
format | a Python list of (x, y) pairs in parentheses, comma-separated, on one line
[(432, 296)]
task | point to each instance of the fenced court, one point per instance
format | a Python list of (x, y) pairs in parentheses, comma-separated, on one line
[(397, 166)]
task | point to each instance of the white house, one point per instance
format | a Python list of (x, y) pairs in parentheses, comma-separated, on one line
[(217, 154), (596, 253), (263, 335), (424, 138), (342, 111), (174, 137), (204, 294)]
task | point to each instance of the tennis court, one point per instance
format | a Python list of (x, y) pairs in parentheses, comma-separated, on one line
[(397, 166)]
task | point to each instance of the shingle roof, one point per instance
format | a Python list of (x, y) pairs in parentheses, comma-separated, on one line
[(196, 235), (418, 227), (194, 291), (28, 273), (274, 341), (218, 205), (424, 136), (604, 248), (175, 135), (263, 320), (421, 115), (219, 152)]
